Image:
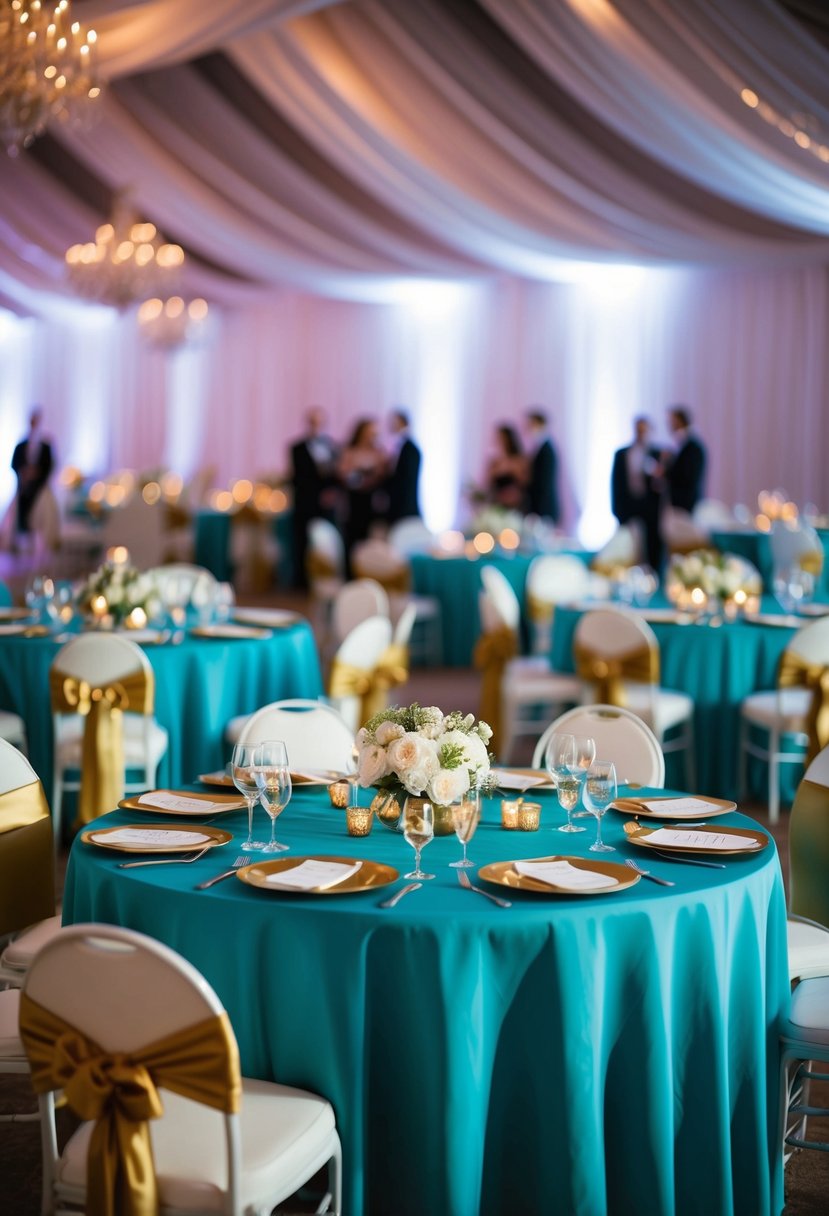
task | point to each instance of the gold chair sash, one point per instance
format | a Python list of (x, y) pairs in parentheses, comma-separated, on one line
[(394, 582), (102, 755), (540, 611), (809, 852), (795, 672), (609, 673), (119, 1091), (811, 562), (493, 650), (370, 685), (318, 566), (27, 876)]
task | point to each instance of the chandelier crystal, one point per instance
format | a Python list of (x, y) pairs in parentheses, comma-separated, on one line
[(47, 69)]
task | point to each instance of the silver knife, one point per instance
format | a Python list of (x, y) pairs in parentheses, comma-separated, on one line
[(389, 903), (690, 861)]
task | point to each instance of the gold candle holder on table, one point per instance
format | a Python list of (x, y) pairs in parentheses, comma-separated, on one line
[(358, 820), (339, 793), (510, 810), (529, 816)]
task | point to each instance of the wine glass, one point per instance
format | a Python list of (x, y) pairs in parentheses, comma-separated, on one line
[(418, 830), (273, 780), (242, 775), (466, 814), (782, 587), (599, 791), (560, 762)]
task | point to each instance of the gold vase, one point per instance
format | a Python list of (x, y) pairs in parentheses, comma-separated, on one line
[(388, 807)]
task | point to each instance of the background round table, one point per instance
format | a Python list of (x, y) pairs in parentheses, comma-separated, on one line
[(579, 1055), (756, 547), (211, 544)]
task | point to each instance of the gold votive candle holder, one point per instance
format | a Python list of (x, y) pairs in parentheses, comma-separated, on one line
[(529, 816), (510, 810), (358, 820), (339, 793)]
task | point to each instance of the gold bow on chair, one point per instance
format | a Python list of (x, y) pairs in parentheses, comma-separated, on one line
[(493, 650), (318, 566), (395, 581), (27, 878), (811, 562), (608, 673), (119, 1091), (102, 755), (796, 672), (370, 685)]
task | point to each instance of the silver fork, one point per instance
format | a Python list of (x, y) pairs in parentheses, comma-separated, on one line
[(162, 861), (237, 865), (665, 882), (463, 879)]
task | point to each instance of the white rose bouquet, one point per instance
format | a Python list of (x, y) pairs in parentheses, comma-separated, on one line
[(420, 750), (116, 589), (719, 575)]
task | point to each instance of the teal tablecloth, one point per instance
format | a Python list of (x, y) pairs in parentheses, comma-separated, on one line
[(200, 684), (756, 548), (718, 667), (573, 1055), (5, 596), (211, 543)]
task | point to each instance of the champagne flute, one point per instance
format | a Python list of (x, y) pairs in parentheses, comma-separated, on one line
[(599, 792), (418, 830), (273, 780), (560, 760), (242, 776), (466, 814)]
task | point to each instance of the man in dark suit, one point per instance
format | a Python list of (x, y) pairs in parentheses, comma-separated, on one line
[(685, 467), (402, 483), (542, 482), (313, 472), (32, 462), (635, 488)]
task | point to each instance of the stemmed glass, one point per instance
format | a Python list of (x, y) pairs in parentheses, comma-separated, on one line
[(242, 775), (599, 791), (273, 780), (466, 814), (566, 759), (418, 830)]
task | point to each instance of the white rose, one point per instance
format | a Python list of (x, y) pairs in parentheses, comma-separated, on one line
[(448, 785), (417, 779), (387, 732), (372, 764), (484, 731), (407, 751), (362, 737)]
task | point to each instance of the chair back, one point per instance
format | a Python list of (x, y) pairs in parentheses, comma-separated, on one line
[(623, 549), (710, 514), (556, 578), (621, 738), (681, 532), (410, 535), (809, 844), (796, 544), (502, 596), (610, 648), (356, 602), (27, 878), (405, 624), (326, 544), (316, 736), (811, 642), (612, 632), (376, 558), (353, 687), (141, 527), (101, 658)]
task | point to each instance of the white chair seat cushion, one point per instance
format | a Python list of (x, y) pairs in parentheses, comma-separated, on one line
[(525, 684), (11, 1047), (68, 746), (809, 1017), (808, 949), (19, 953), (12, 727), (661, 708), (787, 710), (282, 1130)]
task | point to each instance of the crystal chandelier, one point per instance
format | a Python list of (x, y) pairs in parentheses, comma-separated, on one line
[(47, 68), (128, 262)]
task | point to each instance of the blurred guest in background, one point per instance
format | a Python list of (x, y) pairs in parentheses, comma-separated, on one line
[(635, 488), (685, 465), (32, 461), (542, 481), (404, 474), (363, 467), (314, 477), (506, 472)]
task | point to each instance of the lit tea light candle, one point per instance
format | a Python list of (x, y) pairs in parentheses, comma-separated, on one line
[(137, 619), (339, 794), (529, 816), (99, 606), (510, 811), (358, 820)]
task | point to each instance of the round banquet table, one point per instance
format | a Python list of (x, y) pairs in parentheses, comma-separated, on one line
[(211, 544), (756, 547), (200, 684), (579, 1055), (718, 666)]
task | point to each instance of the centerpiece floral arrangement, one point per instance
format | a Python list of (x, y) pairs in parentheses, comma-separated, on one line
[(718, 575), (418, 750), (116, 589)]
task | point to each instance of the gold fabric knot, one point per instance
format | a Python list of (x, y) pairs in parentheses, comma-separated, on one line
[(608, 673), (92, 1080), (492, 652), (392, 667), (811, 562), (796, 672), (396, 581), (371, 686), (80, 695), (27, 875), (318, 566)]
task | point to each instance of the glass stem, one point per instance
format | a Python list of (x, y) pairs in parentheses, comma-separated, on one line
[(251, 804), (417, 859), (599, 829), (463, 842), (273, 829)]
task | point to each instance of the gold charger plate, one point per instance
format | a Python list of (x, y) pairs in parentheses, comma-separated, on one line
[(218, 778), (638, 834), (14, 614), (267, 618), (217, 837), (503, 873), (228, 802), (370, 876), (229, 632), (634, 806)]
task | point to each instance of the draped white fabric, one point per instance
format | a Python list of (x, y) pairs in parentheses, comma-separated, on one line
[(419, 203)]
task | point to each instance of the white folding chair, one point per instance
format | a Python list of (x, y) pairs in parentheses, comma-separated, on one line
[(710, 515), (611, 634), (681, 532), (315, 735), (808, 918), (362, 649), (104, 658), (804, 1039), (621, 737), (530, 690), (356, 601), (625, 548), (796, 544), (553, 578), (410, 535), (13, 729), (380, 560), (781, 712), (325, 568), (123, 993)]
